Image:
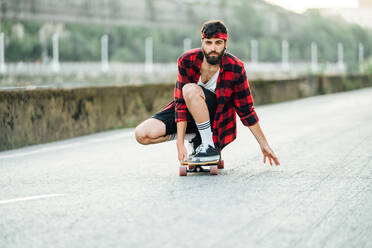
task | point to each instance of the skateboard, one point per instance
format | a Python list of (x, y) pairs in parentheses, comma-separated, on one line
[(195, 167)]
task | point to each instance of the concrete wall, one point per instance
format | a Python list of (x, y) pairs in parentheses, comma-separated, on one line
[(37, 116), (272, 91)]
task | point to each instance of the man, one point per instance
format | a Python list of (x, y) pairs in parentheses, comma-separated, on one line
[(211, 86)]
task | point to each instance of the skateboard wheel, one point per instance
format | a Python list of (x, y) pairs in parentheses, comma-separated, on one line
[(213, 170), (183, 170), (221, 164)]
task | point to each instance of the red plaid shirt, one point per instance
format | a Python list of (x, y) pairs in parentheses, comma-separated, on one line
[(232, 93)]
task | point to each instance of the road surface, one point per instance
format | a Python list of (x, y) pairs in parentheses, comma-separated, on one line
[(105, 190)]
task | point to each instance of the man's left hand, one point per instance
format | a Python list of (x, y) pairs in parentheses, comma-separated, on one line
[(269, 153)]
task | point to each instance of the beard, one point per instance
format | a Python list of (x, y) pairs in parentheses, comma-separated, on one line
[(214, 60)]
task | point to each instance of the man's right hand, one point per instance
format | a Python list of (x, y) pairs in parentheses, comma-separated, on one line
[(182, 152)]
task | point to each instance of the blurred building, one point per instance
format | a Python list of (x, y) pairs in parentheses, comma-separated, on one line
[(138, 12), (115, 12), (365, 3), (361, 15)]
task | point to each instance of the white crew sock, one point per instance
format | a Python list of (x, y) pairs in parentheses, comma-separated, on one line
[(188, 136), (205, 133)]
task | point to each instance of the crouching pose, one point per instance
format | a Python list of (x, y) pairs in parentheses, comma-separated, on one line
[(211, 87)]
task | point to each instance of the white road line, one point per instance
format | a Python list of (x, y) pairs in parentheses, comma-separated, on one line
[(59, 147), (29, 198)]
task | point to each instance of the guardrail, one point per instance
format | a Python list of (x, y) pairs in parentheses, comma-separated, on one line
[(254, 70)]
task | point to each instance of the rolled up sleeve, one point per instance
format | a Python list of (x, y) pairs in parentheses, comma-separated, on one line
[(243, 100), (181, 112)]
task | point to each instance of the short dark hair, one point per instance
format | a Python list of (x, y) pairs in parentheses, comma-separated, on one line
[(213, 27)]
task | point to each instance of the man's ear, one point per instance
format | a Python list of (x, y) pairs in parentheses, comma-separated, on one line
[(226, 44)]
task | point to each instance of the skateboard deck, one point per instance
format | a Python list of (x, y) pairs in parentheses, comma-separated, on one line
[(194, 167)]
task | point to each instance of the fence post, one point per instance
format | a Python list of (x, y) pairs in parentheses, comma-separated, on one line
[(2, 54), (314, 57), (149, 59), (254, 51), (360, 56), (340, 52), (104, 53), (285, 48), (55, 63), (186, 44)]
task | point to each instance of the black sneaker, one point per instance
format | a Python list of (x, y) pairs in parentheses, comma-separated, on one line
[(205, 153), (195, 143)]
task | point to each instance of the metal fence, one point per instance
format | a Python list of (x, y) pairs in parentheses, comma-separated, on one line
[(254, 67)]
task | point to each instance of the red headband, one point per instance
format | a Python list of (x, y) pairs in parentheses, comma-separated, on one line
[(218, 36)]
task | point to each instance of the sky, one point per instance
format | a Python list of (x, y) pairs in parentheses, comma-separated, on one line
[(301, 5)]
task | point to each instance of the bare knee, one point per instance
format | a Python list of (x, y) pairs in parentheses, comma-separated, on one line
[(141, 135), (149, 130), (191, 91)]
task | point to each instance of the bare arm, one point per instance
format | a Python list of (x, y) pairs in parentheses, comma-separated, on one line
[(264, 145), (181, 130)]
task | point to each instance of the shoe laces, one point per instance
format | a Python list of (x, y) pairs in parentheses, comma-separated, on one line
[(202, 148)]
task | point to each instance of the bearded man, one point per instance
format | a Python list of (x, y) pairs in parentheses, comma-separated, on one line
[(211, 87)]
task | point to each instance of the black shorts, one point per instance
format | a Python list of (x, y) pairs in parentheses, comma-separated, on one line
[(168, 116)]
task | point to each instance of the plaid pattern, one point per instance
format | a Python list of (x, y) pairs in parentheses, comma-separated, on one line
[(232, 92)]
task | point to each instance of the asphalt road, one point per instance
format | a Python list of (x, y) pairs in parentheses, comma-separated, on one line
[(104, 190)]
